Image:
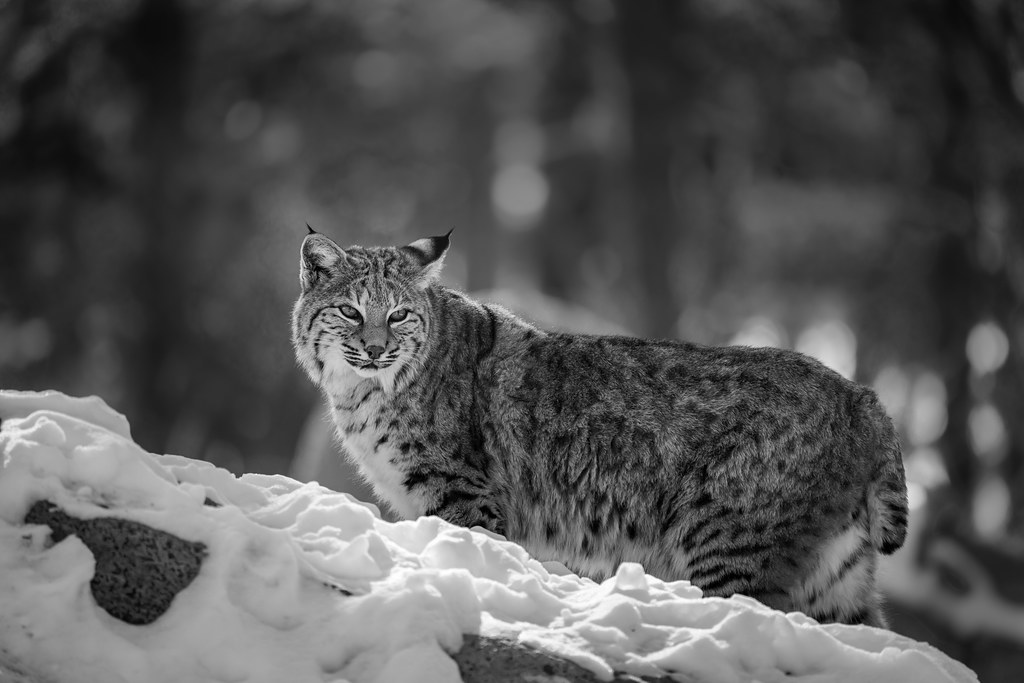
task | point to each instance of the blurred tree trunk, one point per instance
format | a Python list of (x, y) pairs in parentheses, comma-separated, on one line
[(154, 51), (649, 33), (1009, 390), (54, 174), (955, 276), (962, 63), (476, 136), (650, 193), (572, 224), (973, 285)]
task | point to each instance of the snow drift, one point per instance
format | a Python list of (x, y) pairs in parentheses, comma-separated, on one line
[(299, 583)]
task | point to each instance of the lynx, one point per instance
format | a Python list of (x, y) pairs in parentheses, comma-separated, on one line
[(744, 470)]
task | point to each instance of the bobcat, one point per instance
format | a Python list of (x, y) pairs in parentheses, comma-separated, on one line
[(743, 470)]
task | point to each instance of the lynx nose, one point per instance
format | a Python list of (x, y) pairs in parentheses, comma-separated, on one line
[(374, 352)]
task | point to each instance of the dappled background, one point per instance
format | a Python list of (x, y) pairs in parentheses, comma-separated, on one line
[(843, 177)]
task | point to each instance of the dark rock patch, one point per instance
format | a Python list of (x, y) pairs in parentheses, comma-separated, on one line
[(139, 569), (483, 659)]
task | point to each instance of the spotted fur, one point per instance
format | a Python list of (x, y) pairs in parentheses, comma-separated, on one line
[(755, 471)]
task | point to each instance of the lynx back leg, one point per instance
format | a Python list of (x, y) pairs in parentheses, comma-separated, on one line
[(841, 585)]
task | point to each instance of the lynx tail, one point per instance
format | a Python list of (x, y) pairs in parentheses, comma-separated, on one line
[(887, 492)]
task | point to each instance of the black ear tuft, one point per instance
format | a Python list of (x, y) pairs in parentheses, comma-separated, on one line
[(311, 230)]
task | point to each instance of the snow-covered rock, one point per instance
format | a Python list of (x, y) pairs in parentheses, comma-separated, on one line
[(298, 583)]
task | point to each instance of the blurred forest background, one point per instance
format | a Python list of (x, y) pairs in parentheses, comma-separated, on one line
[(843, 177)]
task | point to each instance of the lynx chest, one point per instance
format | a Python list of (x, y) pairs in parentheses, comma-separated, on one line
[(372, 434)]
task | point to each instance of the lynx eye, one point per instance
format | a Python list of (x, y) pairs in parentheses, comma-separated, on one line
[(399, 315), (350, 312)]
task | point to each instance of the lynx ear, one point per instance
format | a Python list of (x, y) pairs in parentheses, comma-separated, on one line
[(320, 259), (429, 252)]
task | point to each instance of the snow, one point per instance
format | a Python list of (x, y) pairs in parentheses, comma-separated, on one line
[(261, 608)]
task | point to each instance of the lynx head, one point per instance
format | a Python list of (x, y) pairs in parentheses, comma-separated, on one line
[(364, 312)]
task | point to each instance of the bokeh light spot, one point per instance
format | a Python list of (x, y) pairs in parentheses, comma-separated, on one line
[(280, 142), (991, 506), (917, 495), (22, 343), (926, 467), (833, 343), (376, 69), (927, 417), (893, 388), (759, 331), (242, 120), (987, 348), (987, 433), (519, 193)]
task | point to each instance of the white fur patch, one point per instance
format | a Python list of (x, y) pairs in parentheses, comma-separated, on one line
[(342, 384), (837, 551), (822, 591)]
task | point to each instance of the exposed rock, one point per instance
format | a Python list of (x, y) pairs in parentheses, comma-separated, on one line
[(499, 660), (139, 569)]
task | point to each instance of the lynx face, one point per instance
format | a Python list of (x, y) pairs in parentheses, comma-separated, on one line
[(364, 313)]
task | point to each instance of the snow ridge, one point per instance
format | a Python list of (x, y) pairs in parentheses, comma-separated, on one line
[(261, 610)]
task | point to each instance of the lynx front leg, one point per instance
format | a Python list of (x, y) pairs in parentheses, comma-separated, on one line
[(468, 506)]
